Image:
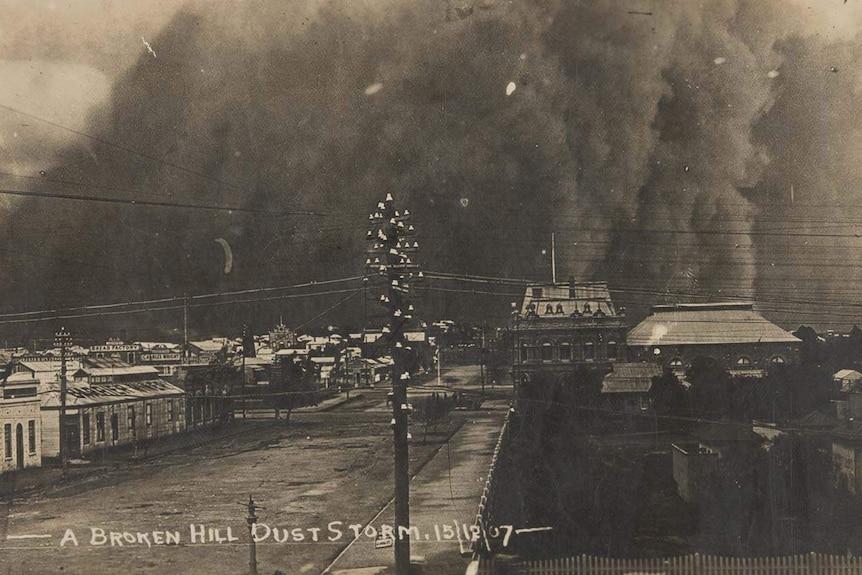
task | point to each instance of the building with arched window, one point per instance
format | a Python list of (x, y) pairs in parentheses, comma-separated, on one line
[(20, 423), (740, 339), (559, 327)]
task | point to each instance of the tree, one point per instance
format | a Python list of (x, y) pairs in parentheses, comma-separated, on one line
[(668, 394), (710, 387), (808, 387), (248, 349), (812, 351)]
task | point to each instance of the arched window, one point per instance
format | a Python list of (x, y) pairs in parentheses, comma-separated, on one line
[(547, 351), (612, 350), (549, 309), (559, 308), (566, 351), (743, 362), (776, 359), (587, 307)]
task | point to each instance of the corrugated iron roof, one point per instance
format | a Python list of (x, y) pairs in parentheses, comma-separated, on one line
[(687, 324), (208, 345), (630, 378), (82, 395), (125, 370)]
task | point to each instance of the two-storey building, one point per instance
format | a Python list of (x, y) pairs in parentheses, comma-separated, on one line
[(562, 326)]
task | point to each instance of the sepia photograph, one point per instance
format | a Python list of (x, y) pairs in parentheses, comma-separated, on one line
[(473, 287)]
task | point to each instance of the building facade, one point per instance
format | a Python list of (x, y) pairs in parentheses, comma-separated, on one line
[(20, 424), (562, 326), (209, 391), (734, 334), (109, 414)]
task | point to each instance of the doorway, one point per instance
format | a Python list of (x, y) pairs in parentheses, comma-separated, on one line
[(19, 446)]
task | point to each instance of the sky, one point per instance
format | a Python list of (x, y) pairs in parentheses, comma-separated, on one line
[(680, 150)]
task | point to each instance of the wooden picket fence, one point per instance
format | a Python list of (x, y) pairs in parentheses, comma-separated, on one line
[(807, 564)]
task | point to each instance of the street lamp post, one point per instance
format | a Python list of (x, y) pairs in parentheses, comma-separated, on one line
[(252, 547), (389, 256)]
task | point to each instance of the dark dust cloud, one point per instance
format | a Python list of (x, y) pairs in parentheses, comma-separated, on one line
[(670, 148)]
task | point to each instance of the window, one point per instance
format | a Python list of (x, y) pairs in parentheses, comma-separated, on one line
[(559, 308), (565, 351), (149, 414), (589, 351), (549, 309), (170, 410), (100, 426), (644, 402), (131, 414), (537, 292), (115, 427), (743, 362), (777, 359), (130, 358), (547, 351), (676, 363), (612, 350), (31, 436), (7, 439), (85, 428), (587, 307)]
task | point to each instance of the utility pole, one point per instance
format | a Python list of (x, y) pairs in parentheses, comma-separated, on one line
[(553, 258), (482, 356), (389, 257), (185, 326), (242, 377), (439, 364), (63, 339), (252, 547)]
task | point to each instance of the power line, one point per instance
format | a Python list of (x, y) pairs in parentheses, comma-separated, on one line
[(152, 203), (121, 147), (174, 299), (329, 309)]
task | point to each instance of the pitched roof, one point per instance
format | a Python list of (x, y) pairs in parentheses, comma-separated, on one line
[(157, 345), (716, 323), (47, 366), (569, 298), (124, 370), (725, 432), (814, 420), (630, 378), (207, 345), (847, 374), (81, 394)]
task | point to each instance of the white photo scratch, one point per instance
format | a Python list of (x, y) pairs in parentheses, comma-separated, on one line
[(149, 48)]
